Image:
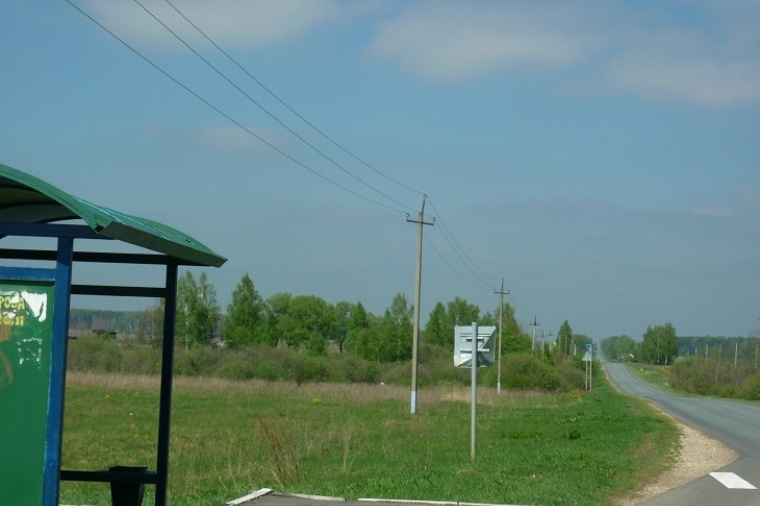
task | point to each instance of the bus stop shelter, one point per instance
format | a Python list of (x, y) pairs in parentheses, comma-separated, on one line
[(34, 317)]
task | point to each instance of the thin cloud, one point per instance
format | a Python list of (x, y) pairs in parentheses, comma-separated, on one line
[(711, 211), (232, 23), (463, 40), (231, 138), (688, 65), (706, 53)]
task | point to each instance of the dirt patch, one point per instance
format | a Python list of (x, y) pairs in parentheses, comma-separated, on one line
[(698, 455)]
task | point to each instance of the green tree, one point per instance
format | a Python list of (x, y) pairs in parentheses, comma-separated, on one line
[(442, 320), (359, 337), (578, 343), (660, 344), (245, 322), (564, 338), (308, 317), (436, 331), (514, 339), (460, 312), (343, 312), (359, 318), (618, 348), (396, 330), (388, 338), (197, 311), (153, 323), (277, 308)]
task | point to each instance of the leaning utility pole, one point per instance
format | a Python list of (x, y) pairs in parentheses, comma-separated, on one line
[(501, 330), (420, 221), (535, 324)]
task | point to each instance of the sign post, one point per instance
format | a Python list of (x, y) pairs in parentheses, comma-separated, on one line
[(474, 393), (588, 358), (474, 347)]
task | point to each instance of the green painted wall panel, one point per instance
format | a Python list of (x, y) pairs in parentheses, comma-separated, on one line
[(26, 323)]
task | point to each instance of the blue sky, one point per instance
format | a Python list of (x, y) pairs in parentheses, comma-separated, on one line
[(601, 157)]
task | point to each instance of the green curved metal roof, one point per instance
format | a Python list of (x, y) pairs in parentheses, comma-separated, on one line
[(25, 198)]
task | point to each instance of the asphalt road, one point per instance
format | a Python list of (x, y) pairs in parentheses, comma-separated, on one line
[(737, 424)]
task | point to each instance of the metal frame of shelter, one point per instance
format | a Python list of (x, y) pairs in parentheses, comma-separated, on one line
[(28, 205)]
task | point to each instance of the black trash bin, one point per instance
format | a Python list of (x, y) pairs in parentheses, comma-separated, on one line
[(127, 493)]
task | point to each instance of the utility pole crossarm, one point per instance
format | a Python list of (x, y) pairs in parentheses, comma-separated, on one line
[(420, 220)]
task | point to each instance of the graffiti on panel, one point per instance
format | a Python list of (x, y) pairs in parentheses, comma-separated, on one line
[(21, 336)]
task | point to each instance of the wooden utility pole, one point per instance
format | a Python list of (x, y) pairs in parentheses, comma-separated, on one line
[(420, 221), (501, 330)]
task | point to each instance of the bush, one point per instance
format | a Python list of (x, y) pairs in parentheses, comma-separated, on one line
[(236, 370), (435, 367), (270, 370), (141, 361), (94, 354), (399, 373), (199, 361), (574, 378), (752, 390), (349, 368), (438, 364), (525, 371), (306, 369)]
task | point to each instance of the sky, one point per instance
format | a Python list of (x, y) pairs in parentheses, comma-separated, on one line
[(600, 157)]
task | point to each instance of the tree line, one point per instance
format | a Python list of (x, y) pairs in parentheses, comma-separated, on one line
[(659, 346), (309, 324)]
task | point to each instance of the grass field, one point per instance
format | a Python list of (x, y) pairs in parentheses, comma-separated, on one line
[(229, 438)]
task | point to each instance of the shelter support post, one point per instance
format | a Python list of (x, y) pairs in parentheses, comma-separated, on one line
[(64, 260), (167, 371)]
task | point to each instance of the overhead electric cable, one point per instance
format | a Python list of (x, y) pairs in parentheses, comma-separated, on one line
[(469, 280), (288, 107), (266, 111), (447, 234), (225, 115), (458, 249)]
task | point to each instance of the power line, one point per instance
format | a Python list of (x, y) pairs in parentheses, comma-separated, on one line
[(228, 117), (264, 109), (458, 273), (288, 107), (460, 253), (458, 249)]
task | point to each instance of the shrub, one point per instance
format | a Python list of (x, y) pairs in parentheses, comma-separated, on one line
[(141, 361), (94, 354), (199, 361), (236, 370), (270, 370), (752, 390), (307, 369), (574, 378), (524, 371), (349, 368), (398, 373)]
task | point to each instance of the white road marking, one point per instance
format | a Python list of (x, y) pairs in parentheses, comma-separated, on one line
[(730, 480)]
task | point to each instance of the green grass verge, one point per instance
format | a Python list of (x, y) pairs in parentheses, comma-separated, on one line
[(657, 375), (229, 438)]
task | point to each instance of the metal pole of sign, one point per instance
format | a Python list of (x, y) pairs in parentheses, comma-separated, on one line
[(586, 376), (474, 380)]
